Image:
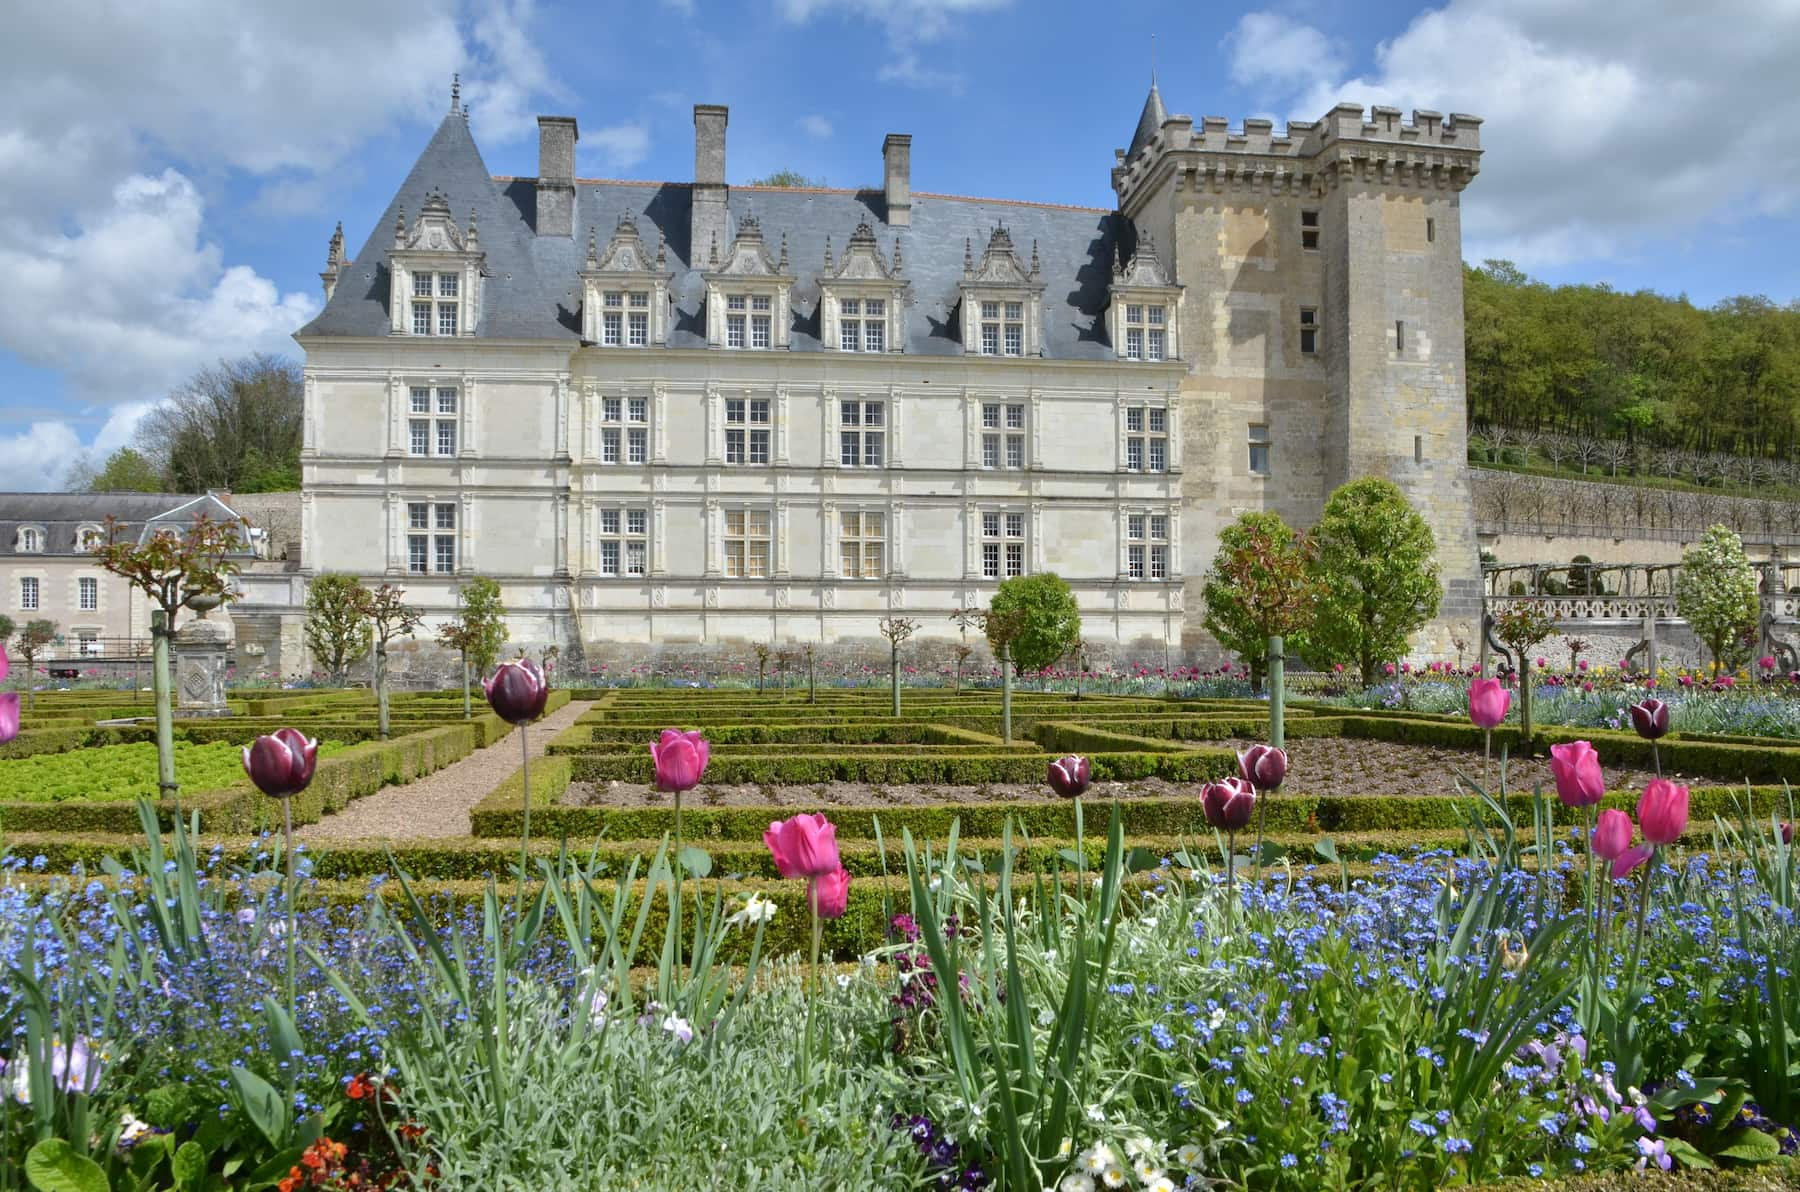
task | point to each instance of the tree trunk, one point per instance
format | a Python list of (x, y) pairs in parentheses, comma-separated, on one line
[(812, 693), (381, 700), (1005, 694), (467, 713), (1277, 664), (894, 678), (165, 727)]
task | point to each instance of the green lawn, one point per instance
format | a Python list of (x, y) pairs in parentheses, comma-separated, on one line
[(120, 772)]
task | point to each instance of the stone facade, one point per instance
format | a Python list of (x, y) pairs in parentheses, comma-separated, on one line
[(688, 416)]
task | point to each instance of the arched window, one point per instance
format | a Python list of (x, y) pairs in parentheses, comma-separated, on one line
[(31, 540)]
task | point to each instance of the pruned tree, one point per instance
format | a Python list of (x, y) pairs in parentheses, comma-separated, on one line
[(388, 617), (337, 623), (477, 631), (1261, 585), (896, 630), (761, 650), (1716, 592), (1375, 559), (34, 638)]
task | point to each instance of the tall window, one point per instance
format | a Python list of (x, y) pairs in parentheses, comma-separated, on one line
[(1147, 546), (430, 538), (624, 541), (625, 318), (1259, 449), (862, 434), (1309, 230), (1002, 544), (746, 430), (747, 543), (1145, 331), (1146, 439), (88, 593), (1002, 435), (862, 324), (432, 429), (624, 430), (1309, 330), (862, 545), (436, 303), (749, 320), (28, 593), (1002, 328)]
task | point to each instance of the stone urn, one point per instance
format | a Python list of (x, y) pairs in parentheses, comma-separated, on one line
[(202, 647)]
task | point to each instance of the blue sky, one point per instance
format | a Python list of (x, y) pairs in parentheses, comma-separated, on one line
[(174, 170)]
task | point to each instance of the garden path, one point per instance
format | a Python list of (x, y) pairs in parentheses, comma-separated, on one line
[(438, 804)]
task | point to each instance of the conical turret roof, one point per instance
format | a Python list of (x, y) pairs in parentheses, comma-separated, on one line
[(1149, 123)]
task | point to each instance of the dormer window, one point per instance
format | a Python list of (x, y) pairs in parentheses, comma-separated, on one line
[(1144, 302), (747, 295), (862, 298), (1002, 300), (31, 541), (437, 271), (89, 537), (625, 300)]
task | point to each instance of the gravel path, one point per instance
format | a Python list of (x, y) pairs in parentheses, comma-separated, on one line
[(438, 804)]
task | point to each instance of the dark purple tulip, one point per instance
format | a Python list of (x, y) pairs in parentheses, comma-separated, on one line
[(281, 764), (1069, 776), (1650, 718), (1263, 766), (1787, 832), (517, 691), (1228, 803)]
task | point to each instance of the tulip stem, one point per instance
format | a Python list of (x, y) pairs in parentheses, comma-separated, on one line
[(1656, 757), (1230, 865), (1487, 751), (812, 900), (1593, 907), (1262, 803), (1637, 943), (525, 830), (287, 836)]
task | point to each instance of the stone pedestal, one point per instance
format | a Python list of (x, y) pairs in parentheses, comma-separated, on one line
[(201, 647)]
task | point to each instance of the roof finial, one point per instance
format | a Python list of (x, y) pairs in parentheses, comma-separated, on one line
[(662, 250), (1034, 257), (897, 263), (968, 259), (456, 94), (593, 258), (1153, 59), (783, 263), (713, 257), (400, 229), (828, 253), (473, 236)]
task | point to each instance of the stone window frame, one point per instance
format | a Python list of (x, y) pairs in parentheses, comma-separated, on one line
[(440, 267), (81, 589), (1143, 549), (1120, 325), (89, 535), (1150, 425), (995, 537), (747, 536), (1260, 435), (624, 537), (863, 540), (860, 428), (430, 533), (1308, 323), (32, 538), (1009, 428), (433, 417), (625, 434), (30, 593)]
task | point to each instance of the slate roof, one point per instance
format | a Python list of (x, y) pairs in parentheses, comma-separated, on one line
[(533, 291), (1150, 121), (61, 515)]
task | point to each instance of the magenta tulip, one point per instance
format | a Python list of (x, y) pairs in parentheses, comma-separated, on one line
[(1612, 835), (1787, 832), (1228, 804), (1576, 768), (5, 666), (830, 893), (1663, 811), (1631, 858), (517, 691), (1263, 766), (281, 764), (9, 715), (680, 760), (1488, 701), (804, 846), (1069, 776), (1650, 718)]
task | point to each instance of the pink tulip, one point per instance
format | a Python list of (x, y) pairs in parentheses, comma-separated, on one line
[(1069, 776), (680, 760), (280, 764), (9, 715), (1631, 858), (1488, 702), (831, 893), (1663, 811), (1228, 803), (1767, 662), (5, 665), (1787, 832), (1263, 767), (517, 691), (804, 846), (1582, 665), (1612, 834), (1576, 768)]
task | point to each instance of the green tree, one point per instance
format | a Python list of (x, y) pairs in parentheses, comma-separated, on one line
[(789, 179), (388, 616), (236, 426), (126, 470), (477, 631), (1716, 592), (1375, 560), (6, 629), (34, 637), (337, 623), (1260, 586), (1049, 623)]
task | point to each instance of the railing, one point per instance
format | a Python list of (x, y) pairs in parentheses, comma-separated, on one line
[(1623, 609), (1525, 527)]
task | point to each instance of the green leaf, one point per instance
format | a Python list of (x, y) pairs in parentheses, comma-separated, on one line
[(282, 1034), (1140, 860), (1326, 849), (274, 1169), (53, 1166), (262, 1105), (696, 861), (1749, 1145), (166, 1107), (1686, 1155), (188, 1166)]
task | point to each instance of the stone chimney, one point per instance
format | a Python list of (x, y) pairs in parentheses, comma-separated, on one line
[(706, 226), (896, 168), (556, 175)]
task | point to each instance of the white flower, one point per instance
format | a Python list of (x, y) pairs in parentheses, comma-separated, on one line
[(132, 1130), (1217, 1019), (597, 1008), (1114, 1176), (1188, 1155), (757, 909), (1097, 1115), (1146, 1170), (1046, 1017), (843, 980), (1161, 1183), (1097, 1158), (1067, 1148), (1076, 1181), (1141, 1147), (678, 1026)]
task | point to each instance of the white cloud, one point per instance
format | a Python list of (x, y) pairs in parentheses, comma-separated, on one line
[(34, 459), (815, 126), (620, 145), (1598, 131), (906, 25), (1267, 49)]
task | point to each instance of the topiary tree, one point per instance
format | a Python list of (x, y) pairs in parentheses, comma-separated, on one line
[(477, 631), (337, 623), (34, 636), (1375, 560), (1716, 592), (388, 617), (896, 630), (1519, 628), (1260, 586), (1049, 621)]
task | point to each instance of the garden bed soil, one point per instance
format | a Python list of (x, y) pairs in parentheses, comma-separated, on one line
[(1319, 766)]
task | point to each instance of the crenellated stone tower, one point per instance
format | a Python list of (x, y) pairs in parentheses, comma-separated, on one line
[(1321, 317)]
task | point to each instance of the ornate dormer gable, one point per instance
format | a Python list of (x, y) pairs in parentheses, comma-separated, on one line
[(436, 273), (625, 290), (1002, 300), (335, 261), (1143, 300), (862, 299), (748, 292)]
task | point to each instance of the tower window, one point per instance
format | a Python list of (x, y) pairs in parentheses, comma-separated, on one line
[(1309, 230), (1431, 231), (1418, 449), (1399, 335), (1259, 450), (1309, 330)]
